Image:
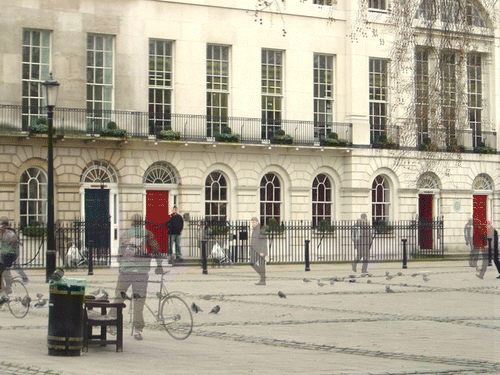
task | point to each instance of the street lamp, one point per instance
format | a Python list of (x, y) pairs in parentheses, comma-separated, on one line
[(49, 89)]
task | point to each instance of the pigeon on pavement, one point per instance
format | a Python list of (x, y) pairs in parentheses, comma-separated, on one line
[(425, 278), (195, 308), (215, 310), (206, 297), (388, 289), (306, 280), (39, 295), (281, 294)]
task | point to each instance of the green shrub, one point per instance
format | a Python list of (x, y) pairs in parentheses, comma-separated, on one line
[(112, 130), (35, 230), (280, 137), (332, 140), (169, 134), (41, 126), (325, 227), (273, 227)]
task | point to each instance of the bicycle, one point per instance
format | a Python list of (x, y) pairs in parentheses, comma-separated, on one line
[(18, 300), (173, 313)]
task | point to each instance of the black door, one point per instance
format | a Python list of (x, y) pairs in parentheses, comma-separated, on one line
[(97, 224)]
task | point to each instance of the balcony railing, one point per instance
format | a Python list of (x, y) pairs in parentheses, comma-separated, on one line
[(462, 140), (194, 128)]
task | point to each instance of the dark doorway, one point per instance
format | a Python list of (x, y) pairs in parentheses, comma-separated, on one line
[(97, 224), (425, 202)]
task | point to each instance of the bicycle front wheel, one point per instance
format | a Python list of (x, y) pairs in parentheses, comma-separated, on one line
[(176, 317), (19, 300)]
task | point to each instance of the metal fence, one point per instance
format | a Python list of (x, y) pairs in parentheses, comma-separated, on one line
[(74, 242), (331, 243), (286, 242)]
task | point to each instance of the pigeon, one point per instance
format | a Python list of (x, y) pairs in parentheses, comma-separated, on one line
[(306, 280), (368, 281), (281, 294), (221, 296), (388, 289), (332, 281), (352, 280), (414, 274), (26, 301), (215, 310), (95, 293), (321, 284), (206, 297), (39, 295), (389, 277), (400, 273), (425, 278), (195, 308), (103, 295), (41, 303), (386, 273), (352, 276)]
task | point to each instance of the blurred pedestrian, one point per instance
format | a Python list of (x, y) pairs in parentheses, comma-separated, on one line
[(134, 261), (258, 250), (362, 236)]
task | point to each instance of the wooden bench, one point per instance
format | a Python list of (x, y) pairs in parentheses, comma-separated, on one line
[(95, 315)]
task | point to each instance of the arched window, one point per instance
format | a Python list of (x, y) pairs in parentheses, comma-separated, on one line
[(321, 199), (160, 173), (270, 198), (482, 182), (380, 199), (99, 172), (428, 181), (33, 197), (216, 197)]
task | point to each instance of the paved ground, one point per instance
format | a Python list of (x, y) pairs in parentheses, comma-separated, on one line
[(449, 324)]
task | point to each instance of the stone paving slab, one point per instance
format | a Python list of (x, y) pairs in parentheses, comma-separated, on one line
[(446, 322)]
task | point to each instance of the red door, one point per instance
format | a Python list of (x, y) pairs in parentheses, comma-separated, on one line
[(479, 220), (425, 220), (157, 215)]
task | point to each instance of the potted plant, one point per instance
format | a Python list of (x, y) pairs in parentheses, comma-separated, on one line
[(384, 142), (427, 145), (41, 126), (280, 137), (454, 146), (112, 130), (332, 140), (169, 135), (482, 148), (226, 136), (273, 227)]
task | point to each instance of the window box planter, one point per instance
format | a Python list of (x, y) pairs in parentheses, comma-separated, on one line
[(282, 138), (112, 130), (227, 136), (332, 140)]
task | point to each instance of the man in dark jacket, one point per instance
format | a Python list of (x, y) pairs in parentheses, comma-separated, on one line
[(175, 225)]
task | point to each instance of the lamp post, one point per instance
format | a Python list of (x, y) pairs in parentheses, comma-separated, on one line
[(50, 88)]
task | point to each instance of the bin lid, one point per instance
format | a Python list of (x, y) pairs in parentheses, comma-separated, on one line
[(67, 285)]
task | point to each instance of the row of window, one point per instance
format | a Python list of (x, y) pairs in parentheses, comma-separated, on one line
[(33, 192)]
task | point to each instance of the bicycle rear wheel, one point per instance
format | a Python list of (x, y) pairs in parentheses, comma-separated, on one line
[(19, 300), (175, 316)]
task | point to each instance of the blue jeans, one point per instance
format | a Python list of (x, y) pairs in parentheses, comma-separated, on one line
[(174, 239)]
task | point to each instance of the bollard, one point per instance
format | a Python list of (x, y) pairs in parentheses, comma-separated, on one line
[(91, 262), (204, 257), (490, 255), (306, 255), (405, 257)]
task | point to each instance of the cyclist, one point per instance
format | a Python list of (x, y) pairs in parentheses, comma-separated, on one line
[(9, 251), (134, 264)]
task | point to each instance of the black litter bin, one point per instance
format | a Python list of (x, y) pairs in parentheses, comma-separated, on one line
[(65, 336)]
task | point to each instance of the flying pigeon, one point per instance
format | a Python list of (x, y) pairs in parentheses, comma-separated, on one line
[(281, 294), (306, 280), (215, 310), (388, 289), (195, 308)]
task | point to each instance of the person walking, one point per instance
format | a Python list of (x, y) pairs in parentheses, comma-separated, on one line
[(258, 250), (134, 261), (473, 232), (175, 225), (362, 236)]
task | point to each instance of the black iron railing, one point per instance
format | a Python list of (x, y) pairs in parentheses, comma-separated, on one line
[(334, 242), (195, 128)]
